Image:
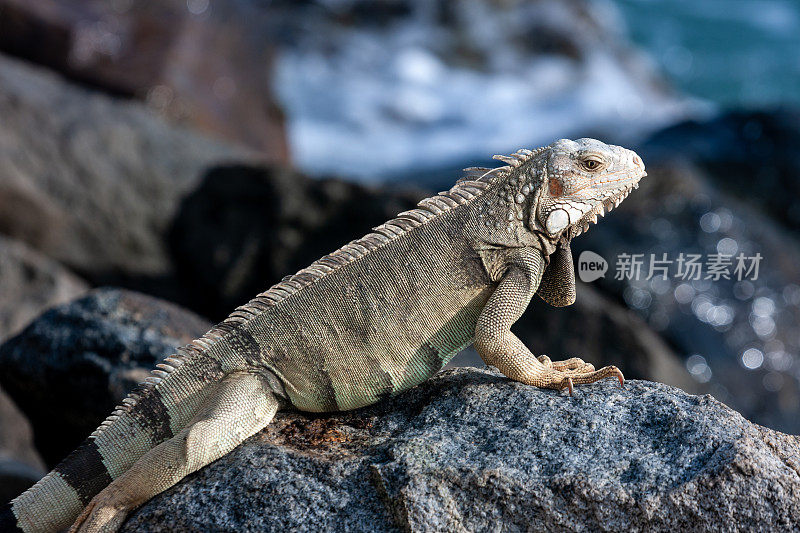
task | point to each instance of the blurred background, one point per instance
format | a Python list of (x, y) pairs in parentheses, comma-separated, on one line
[(162, 162)]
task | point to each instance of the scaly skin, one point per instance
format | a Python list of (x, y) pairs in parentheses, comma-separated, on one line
[(364, 323)]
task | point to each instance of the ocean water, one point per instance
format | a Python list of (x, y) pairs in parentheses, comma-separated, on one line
[(402, 100), (734, 53)]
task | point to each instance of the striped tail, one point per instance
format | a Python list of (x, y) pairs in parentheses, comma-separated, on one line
[(153, 413), (57, 499), (8, 522), (150, 415)]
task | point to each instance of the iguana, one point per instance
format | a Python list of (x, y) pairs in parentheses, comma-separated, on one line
[(366, 322)]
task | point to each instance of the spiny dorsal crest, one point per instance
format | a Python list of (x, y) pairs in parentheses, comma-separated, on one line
[(512, 161), (520, 156)]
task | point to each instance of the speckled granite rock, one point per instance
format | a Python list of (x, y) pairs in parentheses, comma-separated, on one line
[(71, 366), (471, 451)]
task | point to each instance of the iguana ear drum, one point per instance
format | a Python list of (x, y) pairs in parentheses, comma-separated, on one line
[(557, 221)]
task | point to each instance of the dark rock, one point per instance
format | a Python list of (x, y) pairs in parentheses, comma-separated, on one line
[(209, 70), (598, 330), (88, 180), (471, 451), (20, 464), (70, 367), (750, 154), (29, 284), (679, 209), (244, 228)]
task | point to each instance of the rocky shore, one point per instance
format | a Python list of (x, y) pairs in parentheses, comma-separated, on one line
[(138, 207)]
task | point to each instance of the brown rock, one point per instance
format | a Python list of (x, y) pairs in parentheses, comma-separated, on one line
[(208, 70)]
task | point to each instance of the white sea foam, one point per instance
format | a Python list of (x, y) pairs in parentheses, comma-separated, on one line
[(373, 102)]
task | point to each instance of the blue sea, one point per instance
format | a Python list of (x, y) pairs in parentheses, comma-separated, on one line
[(735, 53)]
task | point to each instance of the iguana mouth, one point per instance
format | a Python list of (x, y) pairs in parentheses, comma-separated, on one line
[(606, 206)]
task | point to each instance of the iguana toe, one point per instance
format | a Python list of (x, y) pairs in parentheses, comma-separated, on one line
[(99, 518)]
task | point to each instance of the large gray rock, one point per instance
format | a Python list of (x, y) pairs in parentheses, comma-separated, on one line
[(91, 181), (29, 284), (472, 451), (71, 366)]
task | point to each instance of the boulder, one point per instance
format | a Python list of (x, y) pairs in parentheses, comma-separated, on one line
[(603, 332), (29, 284), (205, 68), (470, 450), (91, 181), (20, 464), (71, 366), (246, 227)]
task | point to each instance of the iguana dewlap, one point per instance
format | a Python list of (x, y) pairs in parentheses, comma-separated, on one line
[(370, 320)]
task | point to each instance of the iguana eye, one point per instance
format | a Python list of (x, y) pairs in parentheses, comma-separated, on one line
[(590, 164)]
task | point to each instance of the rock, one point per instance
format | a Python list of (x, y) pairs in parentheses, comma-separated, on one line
[(29, 284), (91, 181), (749, 154), (70, 367), (20, 464), (470, 450), (712, 323), (206, 68), (246, 227)]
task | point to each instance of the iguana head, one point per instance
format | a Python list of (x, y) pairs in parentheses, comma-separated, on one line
[(546, 197), (582, 180)]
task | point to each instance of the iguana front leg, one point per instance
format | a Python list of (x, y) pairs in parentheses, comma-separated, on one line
[(240, 406), (499, 347)]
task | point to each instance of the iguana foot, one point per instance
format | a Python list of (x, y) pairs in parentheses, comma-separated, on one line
[(100, 517), (572, 378)]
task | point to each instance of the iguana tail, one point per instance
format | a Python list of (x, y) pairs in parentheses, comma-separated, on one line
[(151, 414), (54, 502), (8, 522)]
